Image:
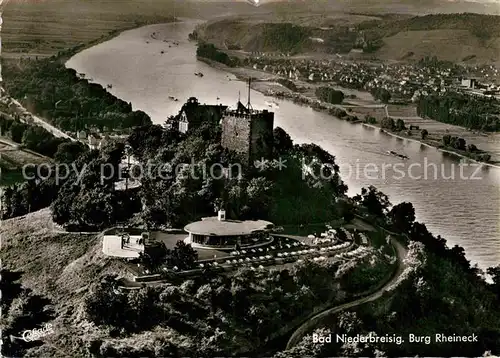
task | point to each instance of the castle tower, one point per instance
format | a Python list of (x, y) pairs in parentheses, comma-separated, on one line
[(248, 132)]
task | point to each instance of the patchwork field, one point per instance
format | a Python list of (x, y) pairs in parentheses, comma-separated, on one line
[(44, 28)]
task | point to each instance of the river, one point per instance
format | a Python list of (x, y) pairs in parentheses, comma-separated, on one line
[(459, 202)]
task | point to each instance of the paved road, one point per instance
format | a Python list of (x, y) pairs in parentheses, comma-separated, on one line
[(304, 328), (16, 147), (49, 127)]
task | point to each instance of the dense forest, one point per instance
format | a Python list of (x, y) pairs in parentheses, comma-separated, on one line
[(330, 95), (65, 98), (472, 112), (381, 94), (439, 292), (178, 198), (218, 315), (285, 37), (209, 51), (41, 184), (281, 196)]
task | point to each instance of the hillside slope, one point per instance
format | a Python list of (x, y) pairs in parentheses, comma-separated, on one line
[(59, 267), (453, 37)]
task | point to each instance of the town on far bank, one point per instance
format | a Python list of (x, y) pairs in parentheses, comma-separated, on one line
[(440, 103)]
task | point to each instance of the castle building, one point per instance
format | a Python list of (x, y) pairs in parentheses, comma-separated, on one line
[(248, 132), (220, 233), (192, 114)]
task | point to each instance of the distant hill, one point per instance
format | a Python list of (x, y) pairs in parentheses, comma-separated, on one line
[(42, 28), (454, 37)]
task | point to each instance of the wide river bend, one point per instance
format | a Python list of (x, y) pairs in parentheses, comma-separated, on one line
[(459, 202)]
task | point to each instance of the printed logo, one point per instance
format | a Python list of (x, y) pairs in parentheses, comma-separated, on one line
[(31, 335)]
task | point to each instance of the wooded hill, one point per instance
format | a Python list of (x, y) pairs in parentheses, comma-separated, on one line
[(451, 37)]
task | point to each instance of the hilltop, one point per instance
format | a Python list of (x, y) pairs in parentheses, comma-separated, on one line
[(467, 37), (59, 267)]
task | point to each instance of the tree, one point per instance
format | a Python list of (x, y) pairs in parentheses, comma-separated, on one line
[(402, 216), (330, 95), (370, 119), (154, 256), (494, 272), (381, 94), (458, 143), (446, 140), (104, 304), (471, 148), (424, 133), (400, 125), (345, 209), (485, 157), (183, 256), (259, 197), (17, 130), (68, 152), (282, 141), (146, 139), (33, 135), (388, 123), (61, 208), (375, 201)]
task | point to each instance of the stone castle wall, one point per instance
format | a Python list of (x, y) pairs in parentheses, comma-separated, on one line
[(236, 134), (261, 136)]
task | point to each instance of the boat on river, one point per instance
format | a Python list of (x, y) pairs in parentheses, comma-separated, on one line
[(402, 156)]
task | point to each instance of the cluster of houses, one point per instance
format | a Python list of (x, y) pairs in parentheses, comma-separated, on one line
[(403, 81)]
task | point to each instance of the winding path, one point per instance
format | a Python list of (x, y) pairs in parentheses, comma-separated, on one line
[(306, 326)]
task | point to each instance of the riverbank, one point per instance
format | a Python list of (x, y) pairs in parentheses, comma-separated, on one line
[(266, 83), (423, 142)]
